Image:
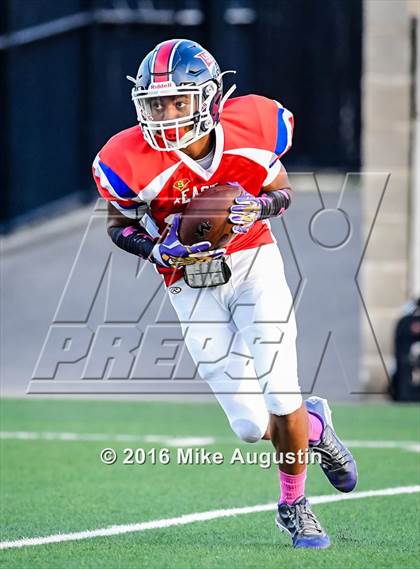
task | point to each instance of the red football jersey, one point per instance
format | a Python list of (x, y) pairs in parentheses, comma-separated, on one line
[(252, 134)]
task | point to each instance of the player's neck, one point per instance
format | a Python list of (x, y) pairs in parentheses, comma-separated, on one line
[(200, 148)]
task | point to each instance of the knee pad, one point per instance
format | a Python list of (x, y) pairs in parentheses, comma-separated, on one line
[(247, 430)]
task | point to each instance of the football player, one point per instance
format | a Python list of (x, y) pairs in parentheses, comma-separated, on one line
[(191, 138)]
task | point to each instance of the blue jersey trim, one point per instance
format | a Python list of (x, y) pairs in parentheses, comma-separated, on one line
[(123, 206), (281, 143), (118, 185)]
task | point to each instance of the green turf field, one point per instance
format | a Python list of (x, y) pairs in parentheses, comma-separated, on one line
[(57, 486)]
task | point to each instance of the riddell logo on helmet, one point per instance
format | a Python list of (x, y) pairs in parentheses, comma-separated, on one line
[(162, 85)]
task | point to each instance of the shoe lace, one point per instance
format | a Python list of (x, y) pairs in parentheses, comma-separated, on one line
[(331, 453), (304, 519)]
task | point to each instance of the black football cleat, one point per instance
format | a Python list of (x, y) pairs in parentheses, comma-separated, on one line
[(337, 461), (300, 523)]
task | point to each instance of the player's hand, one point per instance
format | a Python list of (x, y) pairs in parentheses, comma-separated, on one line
[(172, 253), (245, 212)]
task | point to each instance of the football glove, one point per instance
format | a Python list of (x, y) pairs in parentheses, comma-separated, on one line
[(248, 208), (172, 253), (245, 212)]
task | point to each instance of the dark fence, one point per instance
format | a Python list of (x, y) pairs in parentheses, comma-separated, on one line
[(63, 90)]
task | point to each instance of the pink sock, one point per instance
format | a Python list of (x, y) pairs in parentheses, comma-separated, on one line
[(292, 487), (315, 428)]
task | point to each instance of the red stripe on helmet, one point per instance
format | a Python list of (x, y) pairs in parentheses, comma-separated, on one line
[(161, 65)]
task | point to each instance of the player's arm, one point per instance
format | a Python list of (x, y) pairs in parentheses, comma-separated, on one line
[(128, 235), (124, 208), (123, 228), (276, 132), (167, 253), (275, 197)]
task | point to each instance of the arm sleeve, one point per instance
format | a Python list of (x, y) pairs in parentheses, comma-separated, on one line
[(134, 240), (114, 189), (274, 203)]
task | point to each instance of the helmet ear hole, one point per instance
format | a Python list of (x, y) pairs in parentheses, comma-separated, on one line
[(206, 125)]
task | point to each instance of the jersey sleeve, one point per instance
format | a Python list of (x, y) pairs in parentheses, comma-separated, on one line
[(277, 127), (113, 188), (284, 122)]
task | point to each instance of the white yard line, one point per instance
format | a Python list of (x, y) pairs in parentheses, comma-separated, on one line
[(195, 517), (105, 437), (412, 446), (180, 441)]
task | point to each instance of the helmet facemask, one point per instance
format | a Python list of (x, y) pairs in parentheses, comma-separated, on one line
[(198, 120)]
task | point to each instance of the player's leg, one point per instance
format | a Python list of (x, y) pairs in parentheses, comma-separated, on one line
[(221, 357), (263, 312), (337, 461)]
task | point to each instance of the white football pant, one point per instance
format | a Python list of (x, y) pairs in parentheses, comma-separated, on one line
[(242, 338)]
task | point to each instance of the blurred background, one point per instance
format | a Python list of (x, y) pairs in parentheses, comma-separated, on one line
[(347, 69)]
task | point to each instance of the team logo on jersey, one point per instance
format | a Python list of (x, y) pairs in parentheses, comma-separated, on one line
[(175, 289), (187, 194), (181, 184)]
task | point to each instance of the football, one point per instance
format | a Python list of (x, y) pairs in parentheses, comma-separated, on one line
[(206, 217)]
